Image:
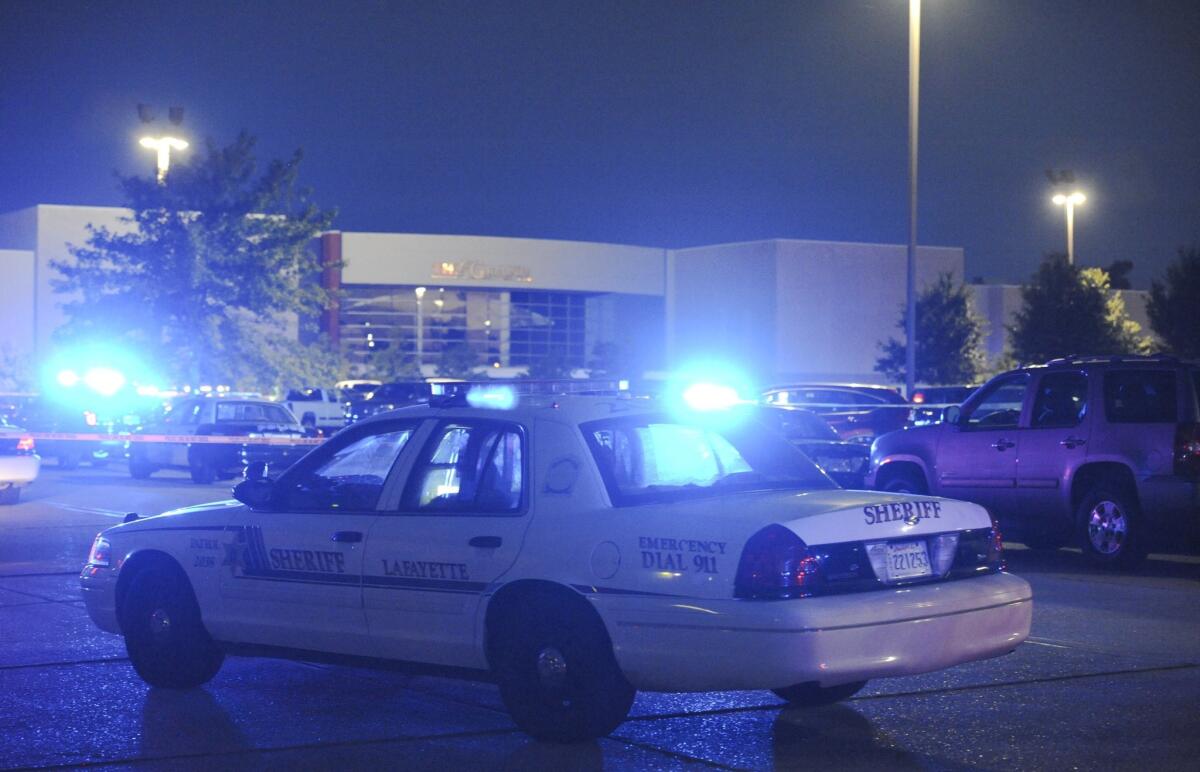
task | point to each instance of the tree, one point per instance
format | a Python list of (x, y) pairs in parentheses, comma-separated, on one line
[(1067, 310), (16, 370), (393, 364), (949, 337), (1118, 274), (555, 364), (610, 359), (458, 360), (1174, 306), (214, 258)]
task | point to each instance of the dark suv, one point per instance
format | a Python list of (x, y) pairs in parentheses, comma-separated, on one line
[(1105, 450)]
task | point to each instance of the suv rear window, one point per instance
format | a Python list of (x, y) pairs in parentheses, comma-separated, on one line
[(1140, 397)]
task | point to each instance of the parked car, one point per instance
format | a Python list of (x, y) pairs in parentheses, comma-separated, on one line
[(47, 415), (856, 411), (930, 402), (1105, 451), (572, 550), (846, 462), (317, 408), (19, 465), (217, 416), (390, 396)]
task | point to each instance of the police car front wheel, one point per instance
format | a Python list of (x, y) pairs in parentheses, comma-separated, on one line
[(164, 635), (558, 676), (811, 695)]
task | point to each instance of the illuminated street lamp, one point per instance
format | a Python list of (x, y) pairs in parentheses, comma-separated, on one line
[(164, 146), (420, 293), (1070, 200)]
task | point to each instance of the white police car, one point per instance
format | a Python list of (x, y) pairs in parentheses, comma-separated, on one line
[(574, 549)]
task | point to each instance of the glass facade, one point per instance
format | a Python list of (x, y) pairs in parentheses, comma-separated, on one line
[(508, 328)]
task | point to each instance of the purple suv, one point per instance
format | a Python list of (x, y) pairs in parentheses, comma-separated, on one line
[(1102, 450)]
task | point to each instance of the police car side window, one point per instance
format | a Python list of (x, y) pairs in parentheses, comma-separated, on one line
[(469, 468), (348, 480)]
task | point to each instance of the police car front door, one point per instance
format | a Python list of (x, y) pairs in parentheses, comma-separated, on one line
[(293, 573), (456, 527)]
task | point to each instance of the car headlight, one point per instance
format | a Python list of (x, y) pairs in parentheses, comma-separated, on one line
[(101, 553)]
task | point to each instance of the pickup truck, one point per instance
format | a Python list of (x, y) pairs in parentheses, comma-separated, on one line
[(316, 408)]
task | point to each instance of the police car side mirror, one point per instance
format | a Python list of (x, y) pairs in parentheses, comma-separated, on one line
[(256, 494), (953, 415)]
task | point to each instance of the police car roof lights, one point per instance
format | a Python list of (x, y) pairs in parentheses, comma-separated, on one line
[(492, 397), (706, 397)]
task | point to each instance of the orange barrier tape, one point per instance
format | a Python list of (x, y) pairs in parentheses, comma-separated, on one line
[(198, 439)]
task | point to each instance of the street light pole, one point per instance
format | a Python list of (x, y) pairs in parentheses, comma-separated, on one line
[(420, 293), (1069, 201), (914, 82)]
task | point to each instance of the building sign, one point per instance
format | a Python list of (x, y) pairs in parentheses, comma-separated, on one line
[(474, 270)]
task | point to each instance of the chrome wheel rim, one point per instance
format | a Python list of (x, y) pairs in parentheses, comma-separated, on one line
[(1107, 528)]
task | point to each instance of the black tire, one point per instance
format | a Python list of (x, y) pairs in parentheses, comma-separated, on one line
[(811, 695), (1111, 529), (557, 673), (10, 495), (203, 472), (904, 481), (164, 635), (139, 469), (68, 459), (99, 462), (309, 421)]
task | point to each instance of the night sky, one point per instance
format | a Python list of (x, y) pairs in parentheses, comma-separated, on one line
[(657, 123)]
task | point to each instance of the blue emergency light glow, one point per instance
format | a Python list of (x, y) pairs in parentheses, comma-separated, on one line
[(492, 397), (710, 396), (104, 380)]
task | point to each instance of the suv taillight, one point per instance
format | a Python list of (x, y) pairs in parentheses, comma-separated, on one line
[(995, 557), (25, 445), (1187, 450), (776, 563)]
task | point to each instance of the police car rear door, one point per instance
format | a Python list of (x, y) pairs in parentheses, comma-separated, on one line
[(292, 575), (456, 526)]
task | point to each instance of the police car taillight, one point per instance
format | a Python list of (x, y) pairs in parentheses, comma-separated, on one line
[(101, 553), (995, 558), (25, 445), (776, 563)]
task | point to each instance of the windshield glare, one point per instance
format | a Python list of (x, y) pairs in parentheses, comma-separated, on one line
[(652, 458)]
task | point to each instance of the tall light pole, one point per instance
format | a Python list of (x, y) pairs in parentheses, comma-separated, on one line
[(914, 84), (164, 146), (420, 293), (1070, 200)]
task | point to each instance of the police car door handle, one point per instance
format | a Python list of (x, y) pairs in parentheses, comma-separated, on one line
[(347, 536), (1002, 444), (486, 542)]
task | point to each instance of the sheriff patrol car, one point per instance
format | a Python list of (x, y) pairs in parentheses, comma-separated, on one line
[(573, 549)]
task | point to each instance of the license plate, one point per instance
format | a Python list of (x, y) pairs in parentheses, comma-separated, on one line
[(906, 560)]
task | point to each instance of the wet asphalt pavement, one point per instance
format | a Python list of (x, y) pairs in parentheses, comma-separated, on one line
[(1110, 680)]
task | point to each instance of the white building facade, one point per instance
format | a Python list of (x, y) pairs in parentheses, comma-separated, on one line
[(776, 309)]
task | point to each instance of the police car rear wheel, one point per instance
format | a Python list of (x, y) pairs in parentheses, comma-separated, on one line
[(558, 676), (811, 695), (10, 495), (164, 636), (203, 472)]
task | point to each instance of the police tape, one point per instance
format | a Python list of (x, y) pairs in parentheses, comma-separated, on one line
[(190, 439)]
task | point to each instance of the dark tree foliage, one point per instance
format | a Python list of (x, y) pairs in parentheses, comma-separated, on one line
[(1067, 310), (207, 273), (1118, 274), (609, 359), (393, 363), (949, 337), (458, 360), (1174, 306), (554, 365)]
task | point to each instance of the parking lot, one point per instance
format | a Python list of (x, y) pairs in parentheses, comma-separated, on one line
[(1110, 679)]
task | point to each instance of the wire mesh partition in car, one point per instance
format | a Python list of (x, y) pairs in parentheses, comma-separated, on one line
[(472, 468)]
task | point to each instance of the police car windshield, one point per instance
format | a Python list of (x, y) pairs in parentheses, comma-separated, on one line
[(657, 458)]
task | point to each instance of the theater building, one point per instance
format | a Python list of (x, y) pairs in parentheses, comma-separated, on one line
[(777, 308)]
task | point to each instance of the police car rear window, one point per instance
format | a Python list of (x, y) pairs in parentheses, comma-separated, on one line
[(1140, 396)]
